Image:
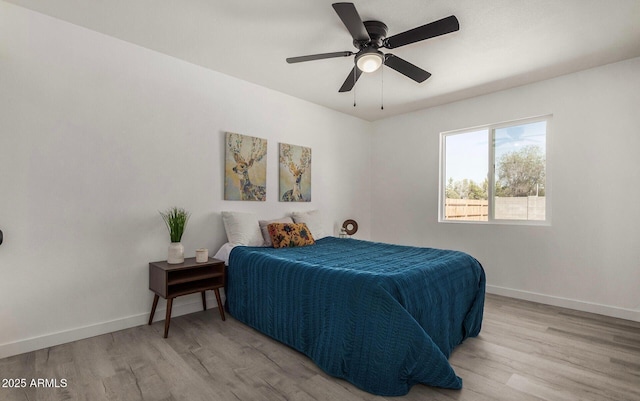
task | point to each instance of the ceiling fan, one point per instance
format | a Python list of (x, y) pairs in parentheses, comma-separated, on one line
[(370, 36)]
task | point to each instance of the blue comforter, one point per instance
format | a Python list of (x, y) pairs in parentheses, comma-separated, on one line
[(383, 317)]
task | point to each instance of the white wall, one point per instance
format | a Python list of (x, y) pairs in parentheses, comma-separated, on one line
[(96, 136), (589, 258)]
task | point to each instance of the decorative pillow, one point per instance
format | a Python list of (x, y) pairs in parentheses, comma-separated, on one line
[(314, 221), (290, 235), (265, 230), (242, 228)]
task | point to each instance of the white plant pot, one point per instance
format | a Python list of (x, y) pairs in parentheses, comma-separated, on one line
[(176, 253)]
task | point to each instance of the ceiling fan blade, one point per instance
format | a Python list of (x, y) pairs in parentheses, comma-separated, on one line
[(431, 30), (406, 68), (351, 19), (320, 56), (351, 80)]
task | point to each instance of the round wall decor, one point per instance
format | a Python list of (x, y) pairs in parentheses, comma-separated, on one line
[(350, 226)]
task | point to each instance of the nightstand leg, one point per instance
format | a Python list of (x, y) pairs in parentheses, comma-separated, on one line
[(204, 302), (153, 308), (167, 320), (220, 308)]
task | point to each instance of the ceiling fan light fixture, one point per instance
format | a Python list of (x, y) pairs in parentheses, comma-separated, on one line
[(369, 36), (369, 61)]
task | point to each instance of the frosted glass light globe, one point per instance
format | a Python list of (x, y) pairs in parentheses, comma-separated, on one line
[(369, 62)]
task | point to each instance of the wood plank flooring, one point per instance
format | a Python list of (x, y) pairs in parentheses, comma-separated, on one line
[(525, 352)]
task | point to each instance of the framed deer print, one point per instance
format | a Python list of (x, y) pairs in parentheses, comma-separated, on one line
[(245, 168), (295, 173)]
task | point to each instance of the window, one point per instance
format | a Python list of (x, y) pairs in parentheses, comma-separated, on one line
[(496, 174)]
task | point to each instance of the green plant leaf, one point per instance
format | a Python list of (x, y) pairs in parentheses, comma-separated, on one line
[(176, 220)]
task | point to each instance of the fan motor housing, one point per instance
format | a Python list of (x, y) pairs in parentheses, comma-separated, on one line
[(377, 32)]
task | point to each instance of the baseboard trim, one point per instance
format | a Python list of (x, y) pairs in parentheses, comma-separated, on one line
[(79, 333), (621, 313)]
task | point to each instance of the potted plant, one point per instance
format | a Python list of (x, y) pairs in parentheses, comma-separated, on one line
[(176, 220)]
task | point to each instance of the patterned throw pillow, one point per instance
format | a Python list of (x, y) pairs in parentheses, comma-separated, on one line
[(290, 235)]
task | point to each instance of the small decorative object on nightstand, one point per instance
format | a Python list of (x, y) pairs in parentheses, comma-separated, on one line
[(202, 255), (349, 227), (173, 280)]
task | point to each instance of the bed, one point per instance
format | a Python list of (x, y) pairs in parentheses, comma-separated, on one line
[(384, 317)]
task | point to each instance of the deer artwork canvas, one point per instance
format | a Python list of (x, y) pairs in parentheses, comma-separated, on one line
[(245, 168), (295, 173)]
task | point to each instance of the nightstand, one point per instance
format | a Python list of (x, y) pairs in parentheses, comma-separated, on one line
[(173, 280)]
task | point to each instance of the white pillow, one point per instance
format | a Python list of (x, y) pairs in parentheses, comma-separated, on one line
[(224, 252), (242, 228), (265, 230), (314, 222)]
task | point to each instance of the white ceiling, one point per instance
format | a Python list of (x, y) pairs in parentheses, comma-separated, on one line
[(501, 43)]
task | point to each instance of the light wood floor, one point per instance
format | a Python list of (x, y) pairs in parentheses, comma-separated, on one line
[(526, 351)]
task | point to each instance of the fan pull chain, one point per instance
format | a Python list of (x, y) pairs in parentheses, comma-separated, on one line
[(354, 86), (382, 87)]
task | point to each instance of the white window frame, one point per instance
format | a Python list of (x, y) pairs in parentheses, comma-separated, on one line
[(491, 128)]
